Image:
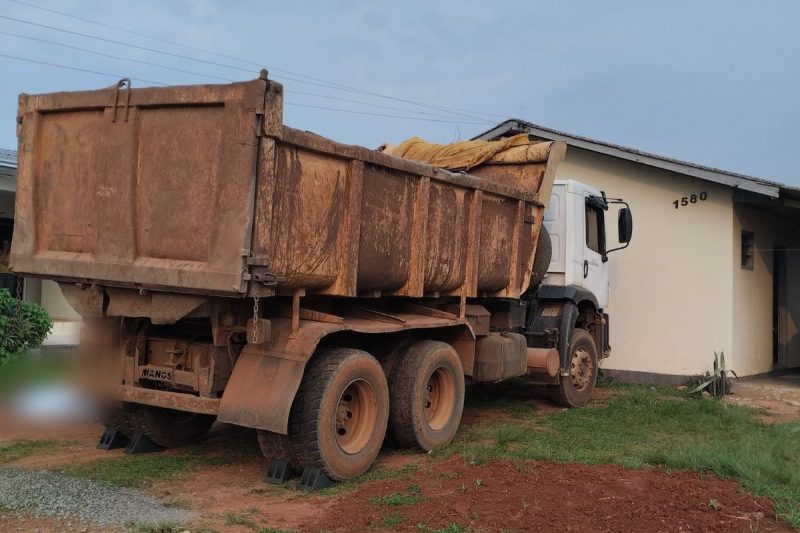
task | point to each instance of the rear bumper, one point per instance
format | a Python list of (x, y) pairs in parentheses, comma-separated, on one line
[(169, 400)]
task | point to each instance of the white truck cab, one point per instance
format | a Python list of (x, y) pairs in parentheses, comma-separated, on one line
[(575, 221), (566, 310)]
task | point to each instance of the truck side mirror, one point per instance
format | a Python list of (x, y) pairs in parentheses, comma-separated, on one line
[(625, 225)]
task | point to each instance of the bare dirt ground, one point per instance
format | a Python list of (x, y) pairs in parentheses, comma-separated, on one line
[(542, 496), (432, 493), (777, 396)]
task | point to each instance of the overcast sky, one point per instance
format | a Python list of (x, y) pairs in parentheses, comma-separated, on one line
[(712, 82)]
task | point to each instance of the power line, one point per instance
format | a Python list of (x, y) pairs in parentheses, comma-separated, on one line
[(201, 74), (119, 76), (121, 43), (378, 114), (77, 69), (321, 82), (86, 50), (361, 102)]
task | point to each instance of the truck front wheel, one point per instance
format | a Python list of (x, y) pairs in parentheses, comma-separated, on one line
[(575, 389), (427, 395), (340, 413)]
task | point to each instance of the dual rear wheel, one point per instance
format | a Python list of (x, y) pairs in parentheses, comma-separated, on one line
[(346, 405)]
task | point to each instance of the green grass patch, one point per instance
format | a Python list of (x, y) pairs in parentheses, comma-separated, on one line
[(412, 496), (642, 426), (452, 528), (142, 470), (133, 470), (374, 474), (17, 449), (388, 521)]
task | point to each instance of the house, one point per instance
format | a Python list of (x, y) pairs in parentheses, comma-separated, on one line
[(66, 322), (714, 264)]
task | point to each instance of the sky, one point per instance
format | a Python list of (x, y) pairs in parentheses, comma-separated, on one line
[(713, 82)]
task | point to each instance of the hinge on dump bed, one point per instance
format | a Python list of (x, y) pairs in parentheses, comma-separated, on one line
[(265, 278)]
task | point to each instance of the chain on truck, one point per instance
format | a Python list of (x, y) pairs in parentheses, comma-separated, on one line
[(230, 268)]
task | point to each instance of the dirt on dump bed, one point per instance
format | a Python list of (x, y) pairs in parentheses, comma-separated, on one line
[(544, 496)]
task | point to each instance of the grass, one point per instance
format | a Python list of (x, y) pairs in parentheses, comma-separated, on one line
[(452, 528), (374, 474), (646, 426), (388, 521), (413, 496), (17, 449), (143, 470)]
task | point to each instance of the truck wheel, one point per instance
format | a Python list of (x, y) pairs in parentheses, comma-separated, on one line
[(541, 261), (427, 396), (340, 413), (276, 447), (116, 417), (576, 389), (166, 427)]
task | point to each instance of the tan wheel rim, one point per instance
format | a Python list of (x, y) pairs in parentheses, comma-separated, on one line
[(356, 415), (581, 369), (439, 400)]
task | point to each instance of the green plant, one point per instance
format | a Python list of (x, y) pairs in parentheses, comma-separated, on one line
[(716, 383), (23, 326)]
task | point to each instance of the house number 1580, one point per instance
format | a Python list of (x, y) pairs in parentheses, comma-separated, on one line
[(692, 199)]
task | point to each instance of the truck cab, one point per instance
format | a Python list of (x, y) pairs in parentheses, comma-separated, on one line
[(566, 310), (575, 222)]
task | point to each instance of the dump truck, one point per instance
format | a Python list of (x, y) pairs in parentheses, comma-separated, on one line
[(228, 267)]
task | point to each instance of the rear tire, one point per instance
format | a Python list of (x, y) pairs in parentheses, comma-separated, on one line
[(340, 413), (278, 447), (427, 395), (166, 427), (575, 390)]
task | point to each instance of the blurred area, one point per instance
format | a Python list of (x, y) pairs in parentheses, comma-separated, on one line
[(40, 396)]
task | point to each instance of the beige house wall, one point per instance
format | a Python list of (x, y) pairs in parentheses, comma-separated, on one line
[(753, 292), (671, 297)]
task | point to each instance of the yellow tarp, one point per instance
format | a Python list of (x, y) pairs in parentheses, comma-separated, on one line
[(469, 154)]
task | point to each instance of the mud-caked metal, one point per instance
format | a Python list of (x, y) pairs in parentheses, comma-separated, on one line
[(228, 265)]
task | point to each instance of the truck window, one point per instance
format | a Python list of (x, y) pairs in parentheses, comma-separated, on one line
[(595, 229)]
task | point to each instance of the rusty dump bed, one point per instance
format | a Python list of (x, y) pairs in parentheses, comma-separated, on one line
[(203, 190)]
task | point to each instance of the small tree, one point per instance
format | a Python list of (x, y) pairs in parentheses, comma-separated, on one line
[(23, 326)]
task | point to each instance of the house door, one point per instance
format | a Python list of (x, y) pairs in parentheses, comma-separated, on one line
[(780, 313)]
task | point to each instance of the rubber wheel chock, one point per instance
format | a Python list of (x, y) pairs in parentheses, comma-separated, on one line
[(141, 444), (112, 440), (314, 479), (279, 472)]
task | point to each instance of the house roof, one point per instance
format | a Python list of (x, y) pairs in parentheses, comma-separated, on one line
[(8, 158), (731, 179)]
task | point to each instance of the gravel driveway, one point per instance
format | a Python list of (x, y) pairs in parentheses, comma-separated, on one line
[(52, 494)]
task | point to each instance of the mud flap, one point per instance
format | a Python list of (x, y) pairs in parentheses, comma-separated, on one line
[(260, 391)]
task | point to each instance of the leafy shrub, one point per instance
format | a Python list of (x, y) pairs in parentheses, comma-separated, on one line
[(23, 326)]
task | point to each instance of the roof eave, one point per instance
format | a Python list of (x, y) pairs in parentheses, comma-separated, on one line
[(772, 191)]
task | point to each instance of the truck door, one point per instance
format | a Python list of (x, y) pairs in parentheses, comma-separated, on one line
[(595, 274)]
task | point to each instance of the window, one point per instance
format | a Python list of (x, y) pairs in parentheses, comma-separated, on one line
[(595, 229), (748, 250)]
